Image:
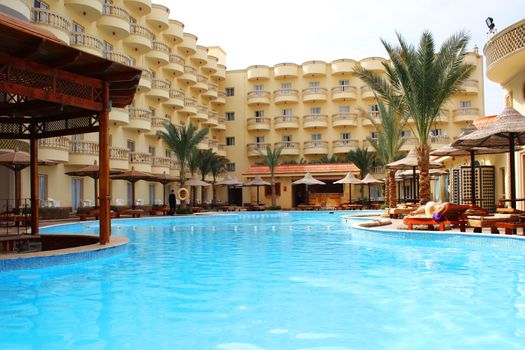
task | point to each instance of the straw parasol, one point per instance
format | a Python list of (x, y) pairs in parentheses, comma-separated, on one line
[(229, 181), (308, 180), (17, 161), (133, 176), (195, 182), (506, 132), (164, 179), (257, 181), (410, 162), (349, 179), (370, 180), (92, 171)]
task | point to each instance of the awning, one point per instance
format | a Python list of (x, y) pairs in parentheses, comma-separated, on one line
[(300, 169)]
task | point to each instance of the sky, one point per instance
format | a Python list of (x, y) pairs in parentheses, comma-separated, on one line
[(268, 32)]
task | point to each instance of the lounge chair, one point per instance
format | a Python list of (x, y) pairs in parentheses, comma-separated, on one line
[(451, 214), (93, 214)]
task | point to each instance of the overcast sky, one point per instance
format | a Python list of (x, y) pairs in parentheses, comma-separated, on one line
[(274, 31)]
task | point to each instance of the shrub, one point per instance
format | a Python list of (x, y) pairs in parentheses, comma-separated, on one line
[(274, 207), (186, 210)]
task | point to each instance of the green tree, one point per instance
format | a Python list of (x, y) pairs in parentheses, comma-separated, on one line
[(204, 159), (388, 144), (363, 160), (271, 158), (217, 168), (419, 81), (182, 141)]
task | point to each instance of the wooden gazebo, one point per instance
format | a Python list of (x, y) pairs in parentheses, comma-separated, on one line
[(49, 89)]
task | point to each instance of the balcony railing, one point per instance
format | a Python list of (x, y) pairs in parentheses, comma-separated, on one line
[(285, 92), (258, 121), (115, 11), (190, 102), (351, 117), (139, 113), (177, 60), (117, 153), (175, 93), (146, 73), (259, 93), (440, 139), (213, 143), (119, 58), (379, 169), (160, 162), (160, 84), (50, 18), (315, 91), (470, 83), (345, 143), (139, 158), (142, 31), (83, 147), (466, 111), (287, 145), (315, 118), (409, 140), (202, 109), (344, 88), (156, 45), (257, 147), (86, 40), (286, 119), (213, 86), (316, 144), (202, 79), (59, 143), (174, 164), (189, 69), (159, 122)]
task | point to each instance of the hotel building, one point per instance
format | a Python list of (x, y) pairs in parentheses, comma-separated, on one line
[(315, 109)]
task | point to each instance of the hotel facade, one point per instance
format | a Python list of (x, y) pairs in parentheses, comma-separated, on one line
[(314, 110)]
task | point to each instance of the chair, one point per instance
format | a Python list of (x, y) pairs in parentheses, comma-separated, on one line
[(451, 214), (119, 202)]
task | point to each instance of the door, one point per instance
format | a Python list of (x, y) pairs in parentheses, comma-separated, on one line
[(76, 193), (235, 196)]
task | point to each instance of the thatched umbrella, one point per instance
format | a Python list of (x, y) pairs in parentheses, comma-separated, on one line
[(92, 171), (308, 180), (133, 176), (349, 179), (17, 161), (506, 132), (257, 181), (370, 180), (410, 162), (164, 179), (195, 182)]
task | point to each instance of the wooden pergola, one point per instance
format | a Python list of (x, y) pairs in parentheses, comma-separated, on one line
[(49, 89)]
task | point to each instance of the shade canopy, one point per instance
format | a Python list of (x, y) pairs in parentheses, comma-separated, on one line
[(409, 173), (133, 176), (164, 178), (195, 181), (349, 179), (370, 180), (257, 181), (91, 171), (410, 161), (19, 160), (230, 181), (449, 150), (308, 179)]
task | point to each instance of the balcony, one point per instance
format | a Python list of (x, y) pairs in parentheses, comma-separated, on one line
[(115, 21), (139, 39), (139, 119), (159, 53), (255, 73), (211, 66), (409, 142), (315, 94), (258, 98), (201, 85), (343, 67), (211, 92), (160, 90), (141, 6), (190, 106), (258, 123), (119, 58), (220, 74), (470, 87), (202, 113), (315, 121), (344, 146), (175, 66), (440, 139), (160, 165), (54, 148), (222, 124), (344, 120), (505, 53), (213, 145), (140, 161), (54, 22), (372, 116), (286, 122), (289, 148), (158, 18), (200, 57), (285, 71), (203, 144), (221, 149), (443, 116), (119, 158), (256, 149), (83, 152), (315, 147), (20, 8), (188, 46), (145, 79), (176, 100), (221, 99), (174, 34), (174, 167), (344, 93), (374, 64), (90, 10), (119, 116), (314, 69), (158, 124), (213, 119), (379, 169), (367, 93), (284, 96), (189, 76), (466, 114), (87, 43)]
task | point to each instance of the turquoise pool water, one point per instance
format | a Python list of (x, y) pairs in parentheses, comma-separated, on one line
[(270, 281)]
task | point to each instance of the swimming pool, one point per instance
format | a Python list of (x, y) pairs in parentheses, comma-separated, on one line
[(270, 281)]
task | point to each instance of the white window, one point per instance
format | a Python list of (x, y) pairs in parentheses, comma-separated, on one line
[(345, 136), (314, 86), (259, 114), (230, 167), (286, 86), (344, 109), (230, 116), (286, 111), (405, 133), (374, 111), (258, 88), (41, 5), (259, 139), (167, 153), (436, 132), (151, 193), (230, 91), (344, 85), (151, 151), (77, 28), (315, 110), (107, 46), (465, 104), (373, 135), (230, 141), (77, 137), (131, 145), (316, 137), (286, 138)]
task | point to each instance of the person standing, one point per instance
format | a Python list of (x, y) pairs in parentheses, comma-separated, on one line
[(172, 200)]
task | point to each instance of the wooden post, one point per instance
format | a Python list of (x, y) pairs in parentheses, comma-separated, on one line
[(18, 189), (512, 137), (35, 201), (103, 160), (473, 178)]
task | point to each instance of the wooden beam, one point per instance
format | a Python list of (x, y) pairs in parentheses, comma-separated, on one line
[(35, 201), (103, 156)]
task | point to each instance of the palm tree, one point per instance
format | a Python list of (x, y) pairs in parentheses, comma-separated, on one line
[(204, 158), (421, 81), (217, 167), (182, 141), (362, 159), (271, 158), (388, 143)]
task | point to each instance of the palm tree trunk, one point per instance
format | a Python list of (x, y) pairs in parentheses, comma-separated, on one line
[(182, 181), (386, 192), (423, 160), (392, 197), (213, 192), (274, 199)]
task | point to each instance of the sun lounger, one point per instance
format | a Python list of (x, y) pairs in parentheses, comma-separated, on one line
[(93, 214), (134, 213), (451, 214)]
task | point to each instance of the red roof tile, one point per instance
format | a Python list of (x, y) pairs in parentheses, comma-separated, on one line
[(301, 169), (485, 121)]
